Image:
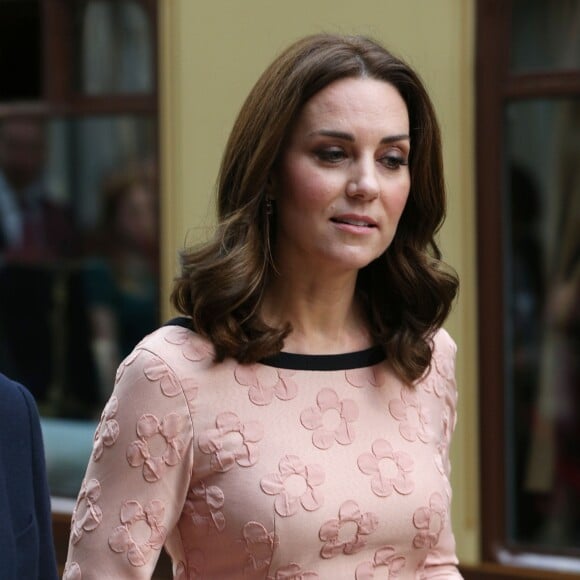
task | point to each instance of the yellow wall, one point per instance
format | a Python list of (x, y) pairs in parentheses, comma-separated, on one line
[(211, 55)]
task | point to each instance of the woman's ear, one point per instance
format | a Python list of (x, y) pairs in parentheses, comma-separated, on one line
[(273, 181), (271, 187)]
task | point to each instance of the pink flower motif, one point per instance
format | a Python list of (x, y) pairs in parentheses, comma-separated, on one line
[(259, 545), (349, 516), (195, 567), (433, 384), (294, 485), (231, 442), (121, 540), (193, 347), (72, 571), (293, 572), (87, 514), (430, 521), (380, 465), (384, 557), (125, 364), (442, 457), (171, 386), (150, 430), (107, 430), (265, 382), (368, 377), (444, 358), (313, 419), (413, 417), (203, 505)]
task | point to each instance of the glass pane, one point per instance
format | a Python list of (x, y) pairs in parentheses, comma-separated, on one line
[(78, 267), (20, 50), (542, 296), (115, 53), (545, 35)]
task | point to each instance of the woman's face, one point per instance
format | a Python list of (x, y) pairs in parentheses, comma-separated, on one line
[(136, 217), (344, 178)]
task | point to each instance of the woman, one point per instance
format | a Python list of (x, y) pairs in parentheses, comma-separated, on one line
[(295, 423), (121, 279)]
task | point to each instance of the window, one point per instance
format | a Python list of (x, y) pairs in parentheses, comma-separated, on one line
[(20, 50), (529, 283), (79, 213)]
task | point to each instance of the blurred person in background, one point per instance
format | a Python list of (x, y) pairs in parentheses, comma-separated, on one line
[(121, 275), (35, 233), (33, 227)]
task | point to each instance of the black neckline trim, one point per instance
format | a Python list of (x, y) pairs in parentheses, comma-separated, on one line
[(182, 321), (326, 362), (310, 362)]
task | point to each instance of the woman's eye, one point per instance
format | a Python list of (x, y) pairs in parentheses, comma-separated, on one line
[(331, 155), (393, 161)]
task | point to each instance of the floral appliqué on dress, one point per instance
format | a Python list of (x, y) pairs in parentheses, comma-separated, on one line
[(231, 442), (293, 572), (295, 485), (87, 514), (72, 571), (430, 521), (146, 452), (380, 465), (349, 515), (259, 545), (346, 412), (265, 382), (203, 505), (193, 347), (158, 372), (414, 419), (121, 540), (368, 377), (384, 558), (107, 431), (129, 360)]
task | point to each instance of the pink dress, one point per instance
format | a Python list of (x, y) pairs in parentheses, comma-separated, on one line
[(300, 467)]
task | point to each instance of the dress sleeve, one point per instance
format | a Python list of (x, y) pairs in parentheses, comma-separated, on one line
[(441, 562), (138, 474)]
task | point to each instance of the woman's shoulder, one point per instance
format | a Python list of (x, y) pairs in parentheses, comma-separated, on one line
[(164, 370), (443, 344), (174, 345), (440, 377)]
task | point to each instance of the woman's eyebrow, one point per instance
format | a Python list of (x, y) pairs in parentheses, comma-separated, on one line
[(349, 137), (395, 138), (330, 133)]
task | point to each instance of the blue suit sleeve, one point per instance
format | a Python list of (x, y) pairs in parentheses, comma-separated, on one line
[(47, 569)]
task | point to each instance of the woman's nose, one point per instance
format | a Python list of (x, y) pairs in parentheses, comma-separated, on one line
[(364, 182)]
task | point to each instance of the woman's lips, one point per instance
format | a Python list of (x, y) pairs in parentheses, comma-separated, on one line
[(355, 220)]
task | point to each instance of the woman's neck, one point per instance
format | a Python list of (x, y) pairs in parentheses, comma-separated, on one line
[(325, 316)]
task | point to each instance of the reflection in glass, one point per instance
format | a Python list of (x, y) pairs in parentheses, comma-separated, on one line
[(78, 267), (542, 297), (545, 35), (115, 49), (120, 276)]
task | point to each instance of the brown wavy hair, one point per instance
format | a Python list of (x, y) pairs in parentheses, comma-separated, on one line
[(406, 293)]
